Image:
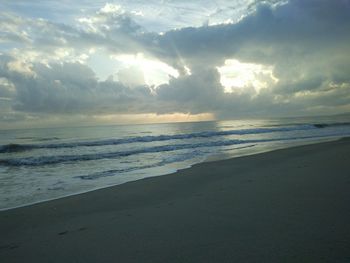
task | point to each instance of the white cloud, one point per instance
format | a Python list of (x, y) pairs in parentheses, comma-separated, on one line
[(7, 89), (154, 71), (111, 8), (131, 76), (235, 74)]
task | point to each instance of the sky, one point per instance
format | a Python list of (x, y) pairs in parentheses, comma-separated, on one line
[(97, 62)]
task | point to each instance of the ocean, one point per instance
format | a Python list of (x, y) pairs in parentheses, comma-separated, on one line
[(49, 163)]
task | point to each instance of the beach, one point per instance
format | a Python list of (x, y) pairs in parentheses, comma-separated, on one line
[(289, 205)]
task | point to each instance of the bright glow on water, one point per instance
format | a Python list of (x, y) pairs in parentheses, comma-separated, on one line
[(42, 164)]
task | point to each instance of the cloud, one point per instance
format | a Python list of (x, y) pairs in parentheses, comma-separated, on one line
[(305, 45), (37, 39), (132, 76), (304, 41), (265, 36), (193, 93), (69, 88), (7, 89)]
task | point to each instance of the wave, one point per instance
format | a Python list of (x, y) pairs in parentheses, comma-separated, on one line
[(48, 160), (43, 160), (172, 159), (14, 147), (336, 124), (150, 138), (47, 139), (112, 172)]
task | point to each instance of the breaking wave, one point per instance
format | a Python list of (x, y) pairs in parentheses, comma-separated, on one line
[(8, 148), (337, 124), (13, 147), (47, 160)]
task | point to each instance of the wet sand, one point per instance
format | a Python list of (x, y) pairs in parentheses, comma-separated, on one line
[(290, 205)]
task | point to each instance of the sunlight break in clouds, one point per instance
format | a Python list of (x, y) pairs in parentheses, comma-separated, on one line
[(229, 59), (235, 74), (155, 72)]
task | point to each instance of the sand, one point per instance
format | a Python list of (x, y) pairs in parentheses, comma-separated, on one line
[(290, 205)]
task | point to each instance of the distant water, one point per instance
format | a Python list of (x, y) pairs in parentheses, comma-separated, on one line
[(43, 164)]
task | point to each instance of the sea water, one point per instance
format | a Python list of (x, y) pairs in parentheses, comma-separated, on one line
[(43, 164)]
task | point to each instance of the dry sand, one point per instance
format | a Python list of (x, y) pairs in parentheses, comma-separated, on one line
[(290, 205)]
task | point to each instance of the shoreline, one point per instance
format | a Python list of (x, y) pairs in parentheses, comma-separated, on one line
[(210, 159), (286, 205)]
